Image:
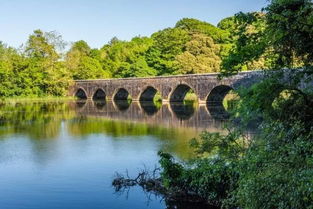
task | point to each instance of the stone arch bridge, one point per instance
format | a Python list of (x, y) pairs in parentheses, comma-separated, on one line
[(207, 87)]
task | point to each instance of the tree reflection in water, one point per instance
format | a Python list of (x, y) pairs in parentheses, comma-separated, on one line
[(43, 121)]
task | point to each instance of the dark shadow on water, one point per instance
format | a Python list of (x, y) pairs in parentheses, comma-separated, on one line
[(185, 205), (182, 111), (149, 107), (80, 103), (169, 203), (217, 110), (122, 105), (99, 104)]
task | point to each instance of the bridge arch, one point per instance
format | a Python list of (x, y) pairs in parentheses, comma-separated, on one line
[(148, 94), (99, 95), (179, 93), (215, 101), (81, 94), (217, 94), (121, 95)]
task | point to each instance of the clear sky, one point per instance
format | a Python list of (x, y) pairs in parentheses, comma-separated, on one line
[(97, 21)]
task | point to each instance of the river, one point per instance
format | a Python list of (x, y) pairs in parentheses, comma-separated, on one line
[(64, 154)]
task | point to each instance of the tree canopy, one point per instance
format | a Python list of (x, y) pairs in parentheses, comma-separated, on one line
[(247, 41), (280, 36)]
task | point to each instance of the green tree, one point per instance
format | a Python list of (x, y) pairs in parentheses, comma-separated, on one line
[(167, 44), (84, 62), (38, 46), (250, 48), (10, 63), (201, 55), (290, 31), (127, 58), (281, 37), (196, 26), (44, 69), (90, 68)]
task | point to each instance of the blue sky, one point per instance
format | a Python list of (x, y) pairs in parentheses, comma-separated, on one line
[(97, 21)]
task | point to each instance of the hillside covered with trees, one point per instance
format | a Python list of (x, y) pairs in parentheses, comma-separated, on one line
[(41, 67)]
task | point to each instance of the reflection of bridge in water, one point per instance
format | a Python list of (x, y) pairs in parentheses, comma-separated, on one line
[(168, 115)]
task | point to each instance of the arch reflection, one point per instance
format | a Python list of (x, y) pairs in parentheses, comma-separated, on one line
[(99, 104), (81, 103), (149, 107), (122, 105), (169, 115), (183, 111)]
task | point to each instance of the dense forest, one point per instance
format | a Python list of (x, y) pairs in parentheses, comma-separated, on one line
[(42, 67)]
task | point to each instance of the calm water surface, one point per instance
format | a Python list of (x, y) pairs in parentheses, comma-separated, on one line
[(64, 154)]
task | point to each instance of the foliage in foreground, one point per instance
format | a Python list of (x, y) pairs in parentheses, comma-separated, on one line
[(279, 38), (271, 169)]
